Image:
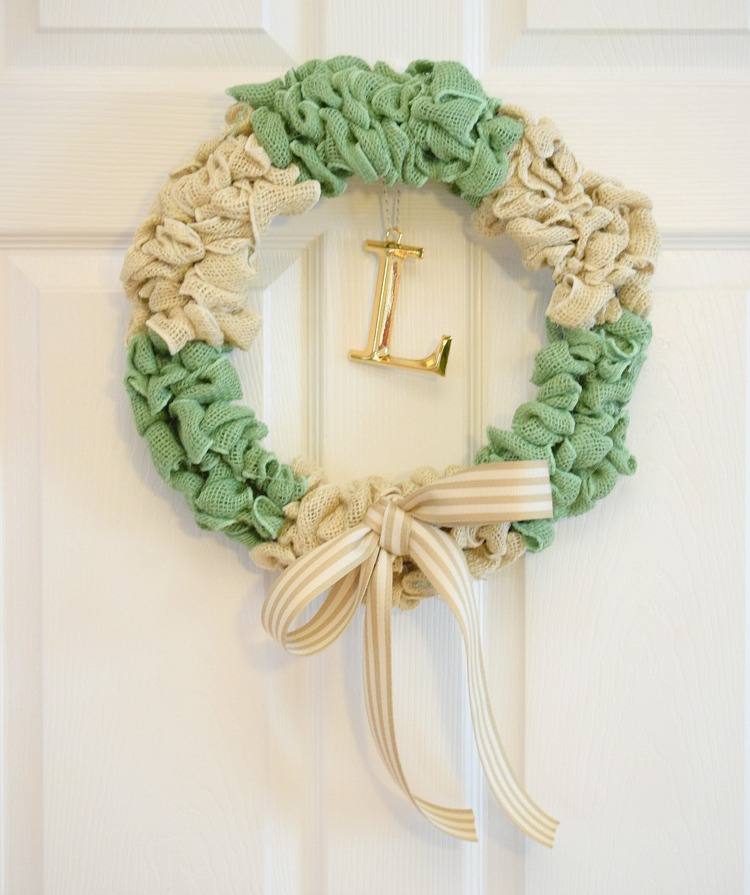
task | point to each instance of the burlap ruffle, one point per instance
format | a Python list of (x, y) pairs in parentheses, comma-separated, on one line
[(338, 118), (598, 238), (191, 263)]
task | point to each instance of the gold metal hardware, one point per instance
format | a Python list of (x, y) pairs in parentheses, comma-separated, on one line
[(392, 254)]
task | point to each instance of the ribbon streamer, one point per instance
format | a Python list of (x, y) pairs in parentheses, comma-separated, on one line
[(357, 566)]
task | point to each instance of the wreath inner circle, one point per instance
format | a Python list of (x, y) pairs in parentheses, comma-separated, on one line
[(289, 141)]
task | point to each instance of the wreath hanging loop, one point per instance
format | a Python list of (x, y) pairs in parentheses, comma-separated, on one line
[(187, 276)]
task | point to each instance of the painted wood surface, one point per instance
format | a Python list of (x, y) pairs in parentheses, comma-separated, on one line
[(154, 739)]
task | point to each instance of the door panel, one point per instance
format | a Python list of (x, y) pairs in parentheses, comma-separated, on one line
[(154, 738)]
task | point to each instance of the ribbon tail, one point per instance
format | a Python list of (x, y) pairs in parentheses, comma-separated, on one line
[(458, 822), (443, 564)]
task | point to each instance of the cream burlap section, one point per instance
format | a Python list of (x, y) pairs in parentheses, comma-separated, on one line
[(328, 509), (191, 263), (598, 238)]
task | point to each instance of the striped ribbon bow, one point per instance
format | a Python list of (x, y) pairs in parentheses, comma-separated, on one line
[(359, 563)]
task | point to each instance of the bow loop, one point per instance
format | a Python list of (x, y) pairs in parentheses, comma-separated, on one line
[(511, 491), (358, 565)]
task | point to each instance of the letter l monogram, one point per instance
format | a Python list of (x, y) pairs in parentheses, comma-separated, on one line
[(392, 254)]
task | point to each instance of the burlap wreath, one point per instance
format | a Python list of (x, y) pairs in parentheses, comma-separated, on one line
[(188, 271)]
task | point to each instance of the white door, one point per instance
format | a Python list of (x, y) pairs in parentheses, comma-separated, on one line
[(154, 738)]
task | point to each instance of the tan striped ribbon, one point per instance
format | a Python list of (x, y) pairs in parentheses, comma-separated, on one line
[(359, 563)]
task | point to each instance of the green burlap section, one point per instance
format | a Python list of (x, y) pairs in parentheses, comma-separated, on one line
[(339, 118), (204, 445), (578, 421)]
